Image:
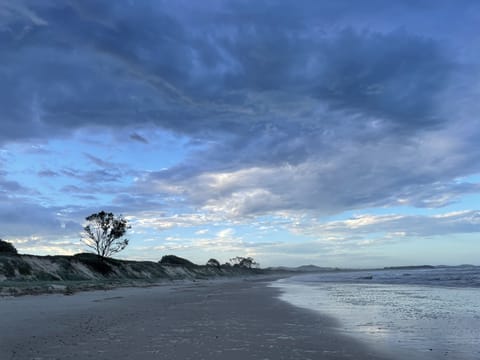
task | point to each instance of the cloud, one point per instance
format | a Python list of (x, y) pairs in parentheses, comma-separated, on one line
[(41, 245), (20, 218), (99, 162), (139, 138), (110, 63), (162, 221), (8, 186), (395, 76), (10, 12), (47, 173), (421, 172), (394, 226), (320, 108), (94, 177), (224, 244)]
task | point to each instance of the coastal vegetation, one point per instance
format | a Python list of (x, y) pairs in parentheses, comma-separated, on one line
[(244, 262), (105, 233), (27, 274), (7, 248), (214, 263), (172, 260)]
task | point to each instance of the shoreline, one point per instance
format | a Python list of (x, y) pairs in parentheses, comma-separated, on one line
[(234, 318), (407, 320)]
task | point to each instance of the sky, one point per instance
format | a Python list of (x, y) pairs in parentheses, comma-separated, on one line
[(337, 133)]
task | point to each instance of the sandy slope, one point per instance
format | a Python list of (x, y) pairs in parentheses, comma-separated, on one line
[(29, 274)]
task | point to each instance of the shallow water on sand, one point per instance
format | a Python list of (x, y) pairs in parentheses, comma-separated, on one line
[(417, 321)]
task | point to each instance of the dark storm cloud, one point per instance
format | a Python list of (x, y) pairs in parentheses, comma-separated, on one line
[(393, 76), (114, 63), (321, 106), (82, 71)]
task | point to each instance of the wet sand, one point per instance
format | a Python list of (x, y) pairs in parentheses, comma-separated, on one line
[(236, 319)]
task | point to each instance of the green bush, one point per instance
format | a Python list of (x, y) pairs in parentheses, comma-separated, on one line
[(7, 248), (213, 263), (175, 261)]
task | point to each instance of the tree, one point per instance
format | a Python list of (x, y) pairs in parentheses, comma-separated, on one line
[(104, 233), (6, 247), (244, 262), (213, 263)]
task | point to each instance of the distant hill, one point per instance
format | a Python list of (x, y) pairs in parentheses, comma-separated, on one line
[(411, 267), (303, 268)]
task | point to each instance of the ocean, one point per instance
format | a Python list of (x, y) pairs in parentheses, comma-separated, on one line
[(416, 313)]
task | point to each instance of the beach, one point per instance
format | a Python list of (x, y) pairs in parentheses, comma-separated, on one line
[(218, 319), (425, 313)]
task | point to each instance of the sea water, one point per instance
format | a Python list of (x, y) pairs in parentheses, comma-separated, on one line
[(427, 313)]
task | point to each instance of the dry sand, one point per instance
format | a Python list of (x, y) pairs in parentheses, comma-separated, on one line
[(236, 319)]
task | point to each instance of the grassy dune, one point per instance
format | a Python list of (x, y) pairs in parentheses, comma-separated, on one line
[(27, 274)]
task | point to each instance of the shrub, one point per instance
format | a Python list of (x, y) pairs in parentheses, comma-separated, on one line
[(244, 262), (7, 248), (175, 261), (213, 263)]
